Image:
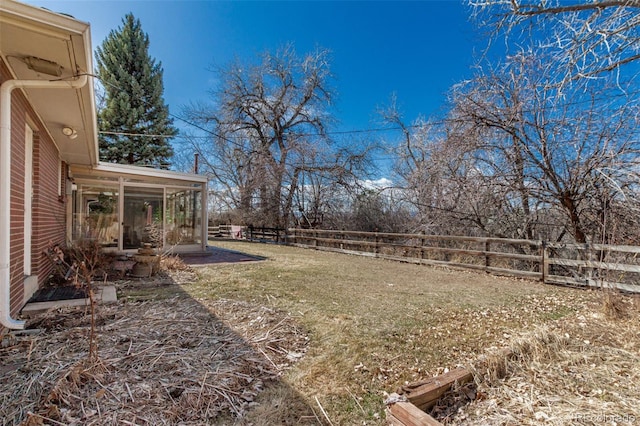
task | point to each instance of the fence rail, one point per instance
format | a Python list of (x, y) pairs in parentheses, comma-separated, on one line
[(267, 235), (251, 233), (220, 231), (598, 265)]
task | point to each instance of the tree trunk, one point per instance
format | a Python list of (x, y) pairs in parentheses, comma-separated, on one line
[(572, 210)]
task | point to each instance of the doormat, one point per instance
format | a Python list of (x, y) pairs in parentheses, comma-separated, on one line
[(58, 293)]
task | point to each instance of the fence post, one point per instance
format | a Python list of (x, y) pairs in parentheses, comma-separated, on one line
[(589, 257), (544, 267), (375, 248), (487, 249)]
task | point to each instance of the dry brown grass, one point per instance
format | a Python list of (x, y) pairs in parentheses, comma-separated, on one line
[(375, 325), (577, 371), (163, 361), (353, 328), (173, 263)]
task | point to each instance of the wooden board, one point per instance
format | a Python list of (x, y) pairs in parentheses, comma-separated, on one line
[(426, 393), (533, 243), (627, 287), (595, 264), (603, 247), (407, 414)]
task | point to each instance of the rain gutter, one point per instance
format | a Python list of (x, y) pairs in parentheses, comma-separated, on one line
[(5, 184)]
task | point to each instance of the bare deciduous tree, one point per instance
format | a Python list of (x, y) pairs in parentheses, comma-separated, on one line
[(435, 173), (586, 39), (550, 148), (518, 157), (268, 130)]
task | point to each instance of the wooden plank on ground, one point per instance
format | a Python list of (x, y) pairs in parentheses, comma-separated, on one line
[(407, 414), (426, 393), (392, 420)]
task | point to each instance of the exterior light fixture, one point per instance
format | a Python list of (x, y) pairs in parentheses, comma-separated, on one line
[(69, 132), (43, 66)]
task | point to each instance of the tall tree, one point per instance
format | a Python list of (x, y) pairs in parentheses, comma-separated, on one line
[(521, 157), (573, 151), (134, 103), (586, 45), (268, 129), (435, 174)]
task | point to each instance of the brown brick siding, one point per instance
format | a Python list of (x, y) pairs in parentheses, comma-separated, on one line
[(48, 212), (16, 265), (49, 225)]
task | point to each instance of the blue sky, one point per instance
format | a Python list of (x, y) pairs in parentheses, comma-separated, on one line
[(417, 49)]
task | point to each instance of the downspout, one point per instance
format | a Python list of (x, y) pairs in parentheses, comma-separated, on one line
[(5, 184)]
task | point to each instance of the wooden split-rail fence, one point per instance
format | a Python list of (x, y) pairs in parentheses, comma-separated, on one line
[(595, 265), (258, 234)]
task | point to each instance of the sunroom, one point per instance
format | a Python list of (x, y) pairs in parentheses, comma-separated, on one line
[(124, 207)]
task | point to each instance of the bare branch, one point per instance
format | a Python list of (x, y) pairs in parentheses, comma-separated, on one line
[(270, 124), (586, 40)]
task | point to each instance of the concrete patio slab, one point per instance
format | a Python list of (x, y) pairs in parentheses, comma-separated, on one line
[(215, 255), (104, 294)]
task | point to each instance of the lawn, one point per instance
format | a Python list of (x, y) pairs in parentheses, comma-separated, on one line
[(374, 325), (311, 337)]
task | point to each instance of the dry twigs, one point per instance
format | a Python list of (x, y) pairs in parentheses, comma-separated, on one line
[(163, 362), (585, 370)]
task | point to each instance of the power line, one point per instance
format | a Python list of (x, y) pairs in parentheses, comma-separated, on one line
[(115, 86), (337, 132), (360, 131), (341, 132), (146, 135)]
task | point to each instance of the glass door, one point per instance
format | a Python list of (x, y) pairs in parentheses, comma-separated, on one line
[(183, 216), (142, 220)]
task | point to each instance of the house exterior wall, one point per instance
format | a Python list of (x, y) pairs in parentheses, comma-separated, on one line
[(48, 209), (49, 212)]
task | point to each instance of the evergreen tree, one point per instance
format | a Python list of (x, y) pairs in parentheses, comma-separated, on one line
[(134, 101)]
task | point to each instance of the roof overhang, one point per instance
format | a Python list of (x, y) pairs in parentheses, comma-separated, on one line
[(27, 31), (138, 173)]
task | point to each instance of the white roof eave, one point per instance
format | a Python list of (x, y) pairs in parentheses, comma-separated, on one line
[(127, 169), (42, 18), (59, 26)]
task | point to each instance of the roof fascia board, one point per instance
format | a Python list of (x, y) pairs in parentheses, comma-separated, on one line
[(149, 172), (92, 113), (50, 23)]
